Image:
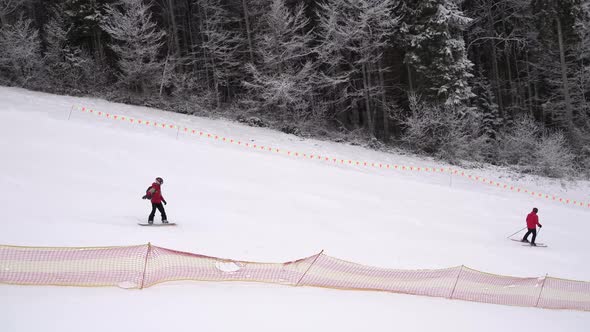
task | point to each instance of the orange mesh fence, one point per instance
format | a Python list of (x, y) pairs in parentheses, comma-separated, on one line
[(565, 294), (331, 272), (168, 265), (147, 265), (89, 267), (477, 286)]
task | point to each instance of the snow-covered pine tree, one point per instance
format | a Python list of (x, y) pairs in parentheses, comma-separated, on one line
[(169, 8), (137, 41), (218, 47), (7, 7), (581, 72), (500, 41), (581, 85), (248, 29), (62, 60), (282, 80), (487, 111), (556, 25), (20, 51), (435, 49), (84, 17), (353, 34), (67, 66)]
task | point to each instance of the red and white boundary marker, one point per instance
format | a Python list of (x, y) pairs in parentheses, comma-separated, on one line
[(319, 157)]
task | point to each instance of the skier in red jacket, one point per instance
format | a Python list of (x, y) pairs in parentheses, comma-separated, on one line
[(154, 193), (532, 220)]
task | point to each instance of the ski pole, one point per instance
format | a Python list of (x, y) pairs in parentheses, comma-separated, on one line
[(520, 230)]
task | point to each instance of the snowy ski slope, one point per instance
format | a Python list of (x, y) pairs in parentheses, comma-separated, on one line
[(78, 182)]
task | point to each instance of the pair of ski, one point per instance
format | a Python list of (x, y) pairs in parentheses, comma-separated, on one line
[(526, 244)]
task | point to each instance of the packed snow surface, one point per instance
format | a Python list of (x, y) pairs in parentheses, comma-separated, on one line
[(70, 178)]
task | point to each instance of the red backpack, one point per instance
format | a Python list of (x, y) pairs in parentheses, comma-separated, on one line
[(149, 192)]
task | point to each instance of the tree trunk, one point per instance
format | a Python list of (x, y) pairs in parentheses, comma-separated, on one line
[(355, 118), (367, 100), (248, 32), (529, 79), (201, 19), (213, 65), (508, 70), (174, 27), (98, 48), (383, 104), (191, 28), (495, 70), (164, 74), (519, 93), (536, 89), (569, 123), (410, 79)]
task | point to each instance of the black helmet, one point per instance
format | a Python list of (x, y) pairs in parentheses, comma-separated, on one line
[(159, 180), (535, 210)]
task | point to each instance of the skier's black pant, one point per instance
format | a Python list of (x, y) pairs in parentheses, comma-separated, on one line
[(531, 231), (160, 208)]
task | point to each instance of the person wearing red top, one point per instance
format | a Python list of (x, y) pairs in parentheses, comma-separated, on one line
[(532, 220), (154, 193)]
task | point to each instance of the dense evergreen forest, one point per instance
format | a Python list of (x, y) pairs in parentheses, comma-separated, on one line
[(475, 81)]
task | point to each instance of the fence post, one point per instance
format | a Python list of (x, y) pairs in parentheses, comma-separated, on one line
[(147, 254), (456, 281), (177, 132), (450, 178), (541, 292), (316, 258), (70, 115)]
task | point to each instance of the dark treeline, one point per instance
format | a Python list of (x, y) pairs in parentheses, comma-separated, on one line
[(498, 81)]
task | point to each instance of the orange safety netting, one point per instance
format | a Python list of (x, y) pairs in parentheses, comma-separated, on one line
[(146, 265), (337, 161)]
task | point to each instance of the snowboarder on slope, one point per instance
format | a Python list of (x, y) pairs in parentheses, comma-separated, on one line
[(154, 194), (532, 220)]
